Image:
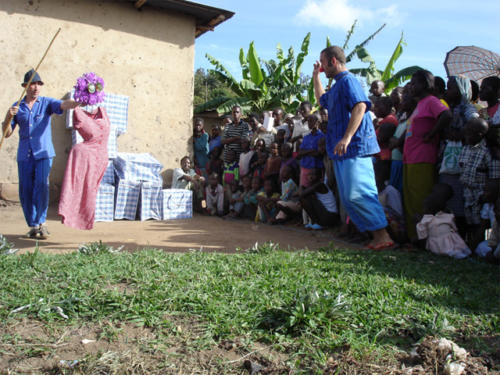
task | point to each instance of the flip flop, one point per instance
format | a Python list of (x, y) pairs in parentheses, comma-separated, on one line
[(382, 245)]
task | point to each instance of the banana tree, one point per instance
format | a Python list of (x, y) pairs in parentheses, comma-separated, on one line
[(265, 84), (388, 76)]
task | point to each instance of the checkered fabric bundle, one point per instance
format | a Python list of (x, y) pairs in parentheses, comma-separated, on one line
[(127, 199), (177, 204), (105, 203), (138, 167), (150, 205), (117, 110), (109, 174)]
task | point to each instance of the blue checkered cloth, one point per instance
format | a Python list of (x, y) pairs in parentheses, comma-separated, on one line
[(138, 167), (105, 203), (117, 110), (150, 205), (177, 204), (109, 174), (127, 199)]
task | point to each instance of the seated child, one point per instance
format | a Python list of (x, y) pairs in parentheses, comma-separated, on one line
[(273, 164), (474, 161), (235, 203), (491, 247), (250, 202), (186, 178), (308, 153), (267, 202), (215, 196), (319, 202), (288, 204), (439, 227)]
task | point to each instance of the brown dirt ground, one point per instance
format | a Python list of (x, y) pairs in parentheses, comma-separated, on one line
[(208, 233)]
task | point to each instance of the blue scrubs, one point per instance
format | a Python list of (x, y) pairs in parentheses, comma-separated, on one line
[(34, 156)]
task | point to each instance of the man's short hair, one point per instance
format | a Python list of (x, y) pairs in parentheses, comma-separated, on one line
[(335, 51)]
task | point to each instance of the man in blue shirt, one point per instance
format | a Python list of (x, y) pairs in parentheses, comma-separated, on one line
[(350, 141), (35, 151)]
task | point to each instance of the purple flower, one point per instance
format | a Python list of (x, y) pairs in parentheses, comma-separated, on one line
[(89, 89)]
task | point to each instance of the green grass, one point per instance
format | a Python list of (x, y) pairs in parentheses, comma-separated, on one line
[(310, 304)]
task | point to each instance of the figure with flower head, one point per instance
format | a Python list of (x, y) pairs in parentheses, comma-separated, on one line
[(35, 151), (87, 161)]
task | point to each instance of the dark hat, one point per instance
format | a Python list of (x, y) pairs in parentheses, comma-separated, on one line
[(27, 76)]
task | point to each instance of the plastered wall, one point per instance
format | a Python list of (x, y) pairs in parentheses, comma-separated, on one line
[(147, 55)]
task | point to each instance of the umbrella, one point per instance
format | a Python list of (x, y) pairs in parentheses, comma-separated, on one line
[(473, 62)]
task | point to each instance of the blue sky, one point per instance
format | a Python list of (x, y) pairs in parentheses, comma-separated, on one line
[(431, 28)]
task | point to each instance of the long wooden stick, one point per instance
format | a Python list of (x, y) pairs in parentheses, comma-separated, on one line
[(9, 119)]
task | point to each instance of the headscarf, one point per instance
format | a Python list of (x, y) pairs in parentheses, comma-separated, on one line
[(465, 110)]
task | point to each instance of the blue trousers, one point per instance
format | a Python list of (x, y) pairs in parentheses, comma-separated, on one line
[(34, 189), (358, 193)]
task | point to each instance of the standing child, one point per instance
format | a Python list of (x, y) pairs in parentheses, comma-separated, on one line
[(247, 157), (287, 160), (231, 168), (215, 163), (474, 161), (215, 196), (308, 153), (215, 140), (273, 164), (257, 167), (439, 227), (200, 145)]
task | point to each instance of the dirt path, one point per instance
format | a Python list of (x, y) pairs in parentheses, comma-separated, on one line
[(213, 234)]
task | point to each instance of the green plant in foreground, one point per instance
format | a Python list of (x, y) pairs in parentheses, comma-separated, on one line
[(6, 248), (98, 247)]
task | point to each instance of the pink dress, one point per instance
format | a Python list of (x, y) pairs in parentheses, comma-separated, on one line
[(86, 165), (442, 236)]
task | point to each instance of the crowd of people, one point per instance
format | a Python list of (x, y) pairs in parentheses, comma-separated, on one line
[(419, 165)]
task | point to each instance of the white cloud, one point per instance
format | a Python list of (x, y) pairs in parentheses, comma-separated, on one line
[(340, 14)]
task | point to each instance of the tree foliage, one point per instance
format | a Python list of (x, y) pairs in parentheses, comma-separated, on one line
[(207, 87), (388, 76), (265, 84)]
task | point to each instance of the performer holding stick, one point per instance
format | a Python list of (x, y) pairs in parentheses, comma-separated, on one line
[(35, 151)]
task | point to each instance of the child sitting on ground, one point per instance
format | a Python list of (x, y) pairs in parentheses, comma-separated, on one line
[(439, 227), (250, 200), (319, 202), (235, 203), (490, 249), (288, 205), (267, 203), (474, 161), (185, 177), (215, 196)]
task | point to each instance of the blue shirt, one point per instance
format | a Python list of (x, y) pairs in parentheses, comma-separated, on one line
[(35, 134), (310, 142), (215, 142), (340, 100)]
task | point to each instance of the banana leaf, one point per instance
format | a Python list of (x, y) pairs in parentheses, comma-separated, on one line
[(254, 65), (244, 65), (304, 50), (389, 69), (400, 77)]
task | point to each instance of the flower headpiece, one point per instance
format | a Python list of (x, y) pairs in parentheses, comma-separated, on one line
[(89, 89)]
